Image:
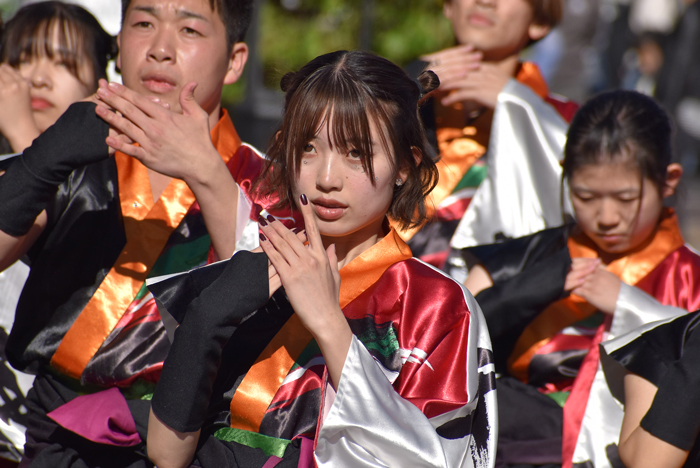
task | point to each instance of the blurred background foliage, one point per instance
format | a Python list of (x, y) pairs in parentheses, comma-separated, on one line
[(292, 32)]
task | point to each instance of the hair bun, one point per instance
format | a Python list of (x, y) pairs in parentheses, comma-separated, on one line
[(287, 81), (429, 81)]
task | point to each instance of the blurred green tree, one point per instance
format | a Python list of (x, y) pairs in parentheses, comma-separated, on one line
[(292, 32)]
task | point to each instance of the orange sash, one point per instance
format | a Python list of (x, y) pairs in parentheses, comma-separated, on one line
[(462, 143), (148, 227), (257, 390)]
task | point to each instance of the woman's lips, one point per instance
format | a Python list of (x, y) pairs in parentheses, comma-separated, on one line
[(611, 238), (478, 19), (40, 103), (328, 209)]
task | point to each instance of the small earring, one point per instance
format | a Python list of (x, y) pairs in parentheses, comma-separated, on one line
[(399, 182)]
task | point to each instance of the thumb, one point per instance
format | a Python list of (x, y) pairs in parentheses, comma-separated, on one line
[(187, 101)]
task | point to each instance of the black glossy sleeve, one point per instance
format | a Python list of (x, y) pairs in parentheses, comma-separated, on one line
[(674, 415), (183, 393), (75, 140)]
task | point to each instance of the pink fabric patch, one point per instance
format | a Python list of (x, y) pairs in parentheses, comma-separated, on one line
[(272, 462), (306, 458), (102, 417)]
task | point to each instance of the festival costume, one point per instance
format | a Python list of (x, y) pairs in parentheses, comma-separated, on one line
[(548, 341), (85, 320), (667, 354), (416, 388), (527, 128)]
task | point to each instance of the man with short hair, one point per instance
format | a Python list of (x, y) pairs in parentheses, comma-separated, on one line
[(96, 227)]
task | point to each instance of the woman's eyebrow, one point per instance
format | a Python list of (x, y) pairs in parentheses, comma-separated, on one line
[(578, 188)]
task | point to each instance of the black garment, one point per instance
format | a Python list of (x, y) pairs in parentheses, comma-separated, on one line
[(529, 426), (225, 316), (528, 274), (668, 356), (51, 446), (83, 238)]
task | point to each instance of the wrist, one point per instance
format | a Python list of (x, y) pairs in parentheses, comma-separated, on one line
[(207, 172), (22, 135)]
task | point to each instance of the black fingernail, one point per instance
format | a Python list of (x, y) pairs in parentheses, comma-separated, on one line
[(271, 218), (262, 237), (296, 230), (304, 200), (261, 221)]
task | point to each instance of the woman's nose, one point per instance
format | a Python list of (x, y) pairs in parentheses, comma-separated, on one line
[(608, 214), (37, 73), (329, 177)]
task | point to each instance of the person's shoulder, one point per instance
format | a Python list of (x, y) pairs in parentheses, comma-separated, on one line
[(436, 283), (564, 106), (690, 254)]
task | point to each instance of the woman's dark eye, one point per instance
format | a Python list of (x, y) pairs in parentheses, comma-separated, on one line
[(354, 154), (308, 148)]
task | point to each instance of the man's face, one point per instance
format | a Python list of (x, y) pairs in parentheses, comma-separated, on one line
[(498, 28), (166, 44)]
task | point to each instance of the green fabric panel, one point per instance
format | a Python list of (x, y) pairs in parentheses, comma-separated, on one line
[(386, 345), (306, 355), (139, 390), (178, 258), (559, 397), (594, 321), (269, 445), (473, 178)]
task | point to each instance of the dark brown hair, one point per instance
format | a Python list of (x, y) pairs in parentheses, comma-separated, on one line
[(80, 37), (235, 14), (547, 12), (621, 125), (353, 90)]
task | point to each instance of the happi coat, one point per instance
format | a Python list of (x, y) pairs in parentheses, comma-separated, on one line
[(499, 172), (549, 340), (417, 387)]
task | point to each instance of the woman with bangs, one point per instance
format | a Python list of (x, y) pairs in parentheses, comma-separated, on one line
[(331, 345), (52, 54)]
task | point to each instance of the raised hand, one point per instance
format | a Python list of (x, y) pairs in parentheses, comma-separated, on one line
[(311, 280), (173, 144), (589, 279), (465, 78), (16, 120)]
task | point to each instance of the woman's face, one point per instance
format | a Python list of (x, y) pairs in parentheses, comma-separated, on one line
[(614, 206), (52, 87), (341, 193)]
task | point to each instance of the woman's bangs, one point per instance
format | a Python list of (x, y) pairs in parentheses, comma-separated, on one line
[(337, 108), (49, 38)]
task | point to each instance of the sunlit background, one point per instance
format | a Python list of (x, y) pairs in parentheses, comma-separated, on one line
[(647, 45)]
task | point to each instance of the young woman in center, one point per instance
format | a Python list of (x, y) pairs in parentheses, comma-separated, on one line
[(365, 356)]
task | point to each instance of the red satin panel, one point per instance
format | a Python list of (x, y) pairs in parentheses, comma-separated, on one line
[(430, 314)]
